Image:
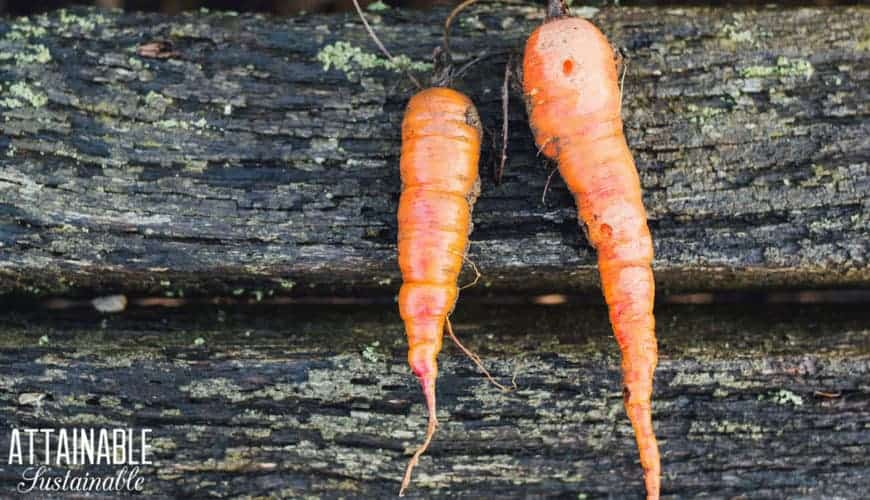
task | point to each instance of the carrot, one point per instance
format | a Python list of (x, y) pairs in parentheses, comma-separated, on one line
[(441, 137), (573, 99)]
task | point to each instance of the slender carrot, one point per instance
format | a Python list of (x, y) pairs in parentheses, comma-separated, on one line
[(441, 137), (573, 98)]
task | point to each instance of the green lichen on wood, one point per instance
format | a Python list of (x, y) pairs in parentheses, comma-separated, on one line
[(370, 352), (785, 67), (786, 397), (708, 430), (84, 22), (738, 36), (377, 6), (174, 123), (24, 29), (350, 59), (158, 102), (701, 115), (17, 43), (38, 54), (218, 387)]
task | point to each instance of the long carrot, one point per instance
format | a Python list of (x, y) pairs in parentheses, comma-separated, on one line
[(441, 136), (573, 98)]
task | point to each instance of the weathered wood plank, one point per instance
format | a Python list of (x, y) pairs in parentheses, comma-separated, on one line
[(318, 401), (243, 163)]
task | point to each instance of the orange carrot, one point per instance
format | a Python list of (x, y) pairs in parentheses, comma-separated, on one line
[(573, 98), (441, 136)]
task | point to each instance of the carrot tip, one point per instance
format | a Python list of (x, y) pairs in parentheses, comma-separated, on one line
[(428, 384)]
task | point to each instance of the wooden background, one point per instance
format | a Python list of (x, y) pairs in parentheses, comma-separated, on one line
[(253, 190), (242, 163)]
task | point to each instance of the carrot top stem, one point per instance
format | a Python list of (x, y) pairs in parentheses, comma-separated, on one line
[(444, 73), (428, 384), (447, 22), (556, 9)]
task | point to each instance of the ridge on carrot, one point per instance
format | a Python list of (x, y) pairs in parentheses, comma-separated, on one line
[(573, 98), (441, 138)]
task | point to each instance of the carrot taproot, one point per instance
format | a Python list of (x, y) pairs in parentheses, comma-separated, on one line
[(441, 136), (573, 99)]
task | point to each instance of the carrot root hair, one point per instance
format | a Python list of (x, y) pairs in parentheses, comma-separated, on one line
[(547, 184), (428, 384), (505, 120), (473, 282), (477, 361)]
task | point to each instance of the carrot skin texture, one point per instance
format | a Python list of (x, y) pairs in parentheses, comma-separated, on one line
[(441, 138), (572, 95)]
